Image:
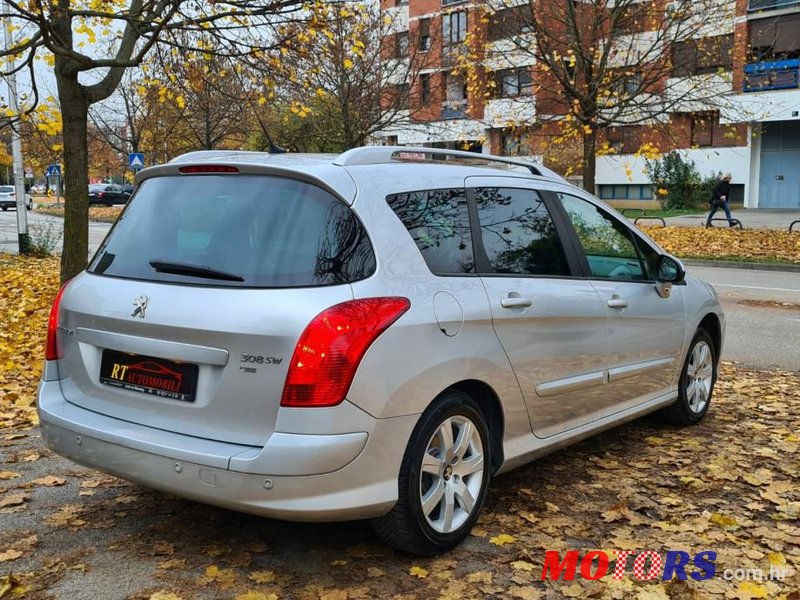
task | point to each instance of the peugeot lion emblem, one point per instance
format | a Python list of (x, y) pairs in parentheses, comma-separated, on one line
[(141, 305)]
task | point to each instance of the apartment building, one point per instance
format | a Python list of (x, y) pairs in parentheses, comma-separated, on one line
[(751, 56)]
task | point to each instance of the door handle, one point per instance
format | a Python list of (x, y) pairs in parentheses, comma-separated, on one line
[(516, 302), (617, 303)]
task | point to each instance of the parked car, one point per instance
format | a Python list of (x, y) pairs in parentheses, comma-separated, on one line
[(8, 198), (38, 188), (108, 194), (373, 335)]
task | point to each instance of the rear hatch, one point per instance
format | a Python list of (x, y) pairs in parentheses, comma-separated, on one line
[(189, 313)]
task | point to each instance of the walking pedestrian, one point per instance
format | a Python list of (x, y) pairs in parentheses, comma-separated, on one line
[(719, 199)]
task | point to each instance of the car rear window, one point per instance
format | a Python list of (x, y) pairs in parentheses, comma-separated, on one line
[(263, 231)]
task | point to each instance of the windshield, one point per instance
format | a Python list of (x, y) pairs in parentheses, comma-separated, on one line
[(236, 230)]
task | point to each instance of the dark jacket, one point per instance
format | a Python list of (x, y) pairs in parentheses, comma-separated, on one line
[(723, 189)]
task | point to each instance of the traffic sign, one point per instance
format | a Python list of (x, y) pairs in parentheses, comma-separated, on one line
[(53, 170), (136, 160)]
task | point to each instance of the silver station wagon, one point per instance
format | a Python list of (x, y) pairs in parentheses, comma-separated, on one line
[(373, 335)]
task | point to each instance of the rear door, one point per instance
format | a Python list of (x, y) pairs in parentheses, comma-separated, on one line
[(190, 311), (646, 330), (550, 322)]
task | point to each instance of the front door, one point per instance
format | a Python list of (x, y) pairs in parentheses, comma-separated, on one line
[(550, 323), (646, 330)]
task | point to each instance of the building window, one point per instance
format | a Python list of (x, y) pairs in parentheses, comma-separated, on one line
[(454, 28), (401, 45), (624, 140), (401, 93), (570, 68), (629, 85), (625, 192), (425, 84), (391, 140), (424, 34), (706, 55), (456, 89), (512, 144), (514, 82), (510, 22), (702, 130), (775, 38)]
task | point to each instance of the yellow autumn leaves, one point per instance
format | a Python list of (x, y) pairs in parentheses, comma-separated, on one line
[(721, 243), (27, 288)]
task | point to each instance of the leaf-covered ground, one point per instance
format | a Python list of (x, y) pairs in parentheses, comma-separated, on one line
[(722, 243), (728, 485)]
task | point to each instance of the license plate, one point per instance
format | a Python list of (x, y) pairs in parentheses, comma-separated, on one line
[(149, 375)]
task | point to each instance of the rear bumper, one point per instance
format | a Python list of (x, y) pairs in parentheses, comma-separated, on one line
[(364, 484)]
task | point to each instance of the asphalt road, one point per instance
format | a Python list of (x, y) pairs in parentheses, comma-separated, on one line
[(38, 226), (758, 335)]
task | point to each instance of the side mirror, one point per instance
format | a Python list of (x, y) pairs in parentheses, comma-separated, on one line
[(670, 270)]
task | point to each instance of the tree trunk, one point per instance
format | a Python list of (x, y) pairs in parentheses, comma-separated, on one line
[(589, 160), (75, 115)]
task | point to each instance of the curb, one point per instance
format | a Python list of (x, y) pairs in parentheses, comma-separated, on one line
[(727, 264)]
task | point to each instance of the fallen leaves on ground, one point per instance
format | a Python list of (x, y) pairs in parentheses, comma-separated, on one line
[(728, 485), (27, 289), (723, 243)]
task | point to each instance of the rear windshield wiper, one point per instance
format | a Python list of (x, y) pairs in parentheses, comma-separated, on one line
[(176, 268)]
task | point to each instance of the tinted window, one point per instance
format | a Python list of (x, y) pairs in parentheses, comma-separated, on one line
[(518, 234), (607, 243), (269, 231), (438, 221)]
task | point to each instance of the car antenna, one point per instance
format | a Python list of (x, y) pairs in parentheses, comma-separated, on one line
[(273, 148)]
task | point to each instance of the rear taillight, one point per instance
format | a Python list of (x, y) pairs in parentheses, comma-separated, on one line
[(332, 346), (52, 351), (100, 194)]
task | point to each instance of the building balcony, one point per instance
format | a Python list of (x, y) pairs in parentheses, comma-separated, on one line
[(754, 5), (454, 109), (506, 112), (773, 75)]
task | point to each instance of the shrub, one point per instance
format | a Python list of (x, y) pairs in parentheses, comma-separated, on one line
[(680, 180), (44, 238)]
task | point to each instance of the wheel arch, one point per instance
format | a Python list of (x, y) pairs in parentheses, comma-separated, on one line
[(712, 325), (489, 403)]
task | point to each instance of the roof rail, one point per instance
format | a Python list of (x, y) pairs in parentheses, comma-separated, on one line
[(376, 155)]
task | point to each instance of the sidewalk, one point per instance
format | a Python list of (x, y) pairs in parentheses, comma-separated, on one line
[(753, 218)]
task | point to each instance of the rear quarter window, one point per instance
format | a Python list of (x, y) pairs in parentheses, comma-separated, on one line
[(438, 221), (267, 231)]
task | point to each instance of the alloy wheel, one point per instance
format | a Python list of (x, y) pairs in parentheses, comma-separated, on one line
[(451, 474)]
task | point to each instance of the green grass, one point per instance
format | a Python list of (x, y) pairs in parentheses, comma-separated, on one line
[(632, 213)]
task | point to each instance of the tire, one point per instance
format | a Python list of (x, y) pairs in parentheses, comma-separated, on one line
[(696, 385), (425, 530), (5, 208)]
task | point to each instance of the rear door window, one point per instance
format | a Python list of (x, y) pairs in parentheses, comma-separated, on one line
[(438, 221), (518, 233), (257, 231)]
